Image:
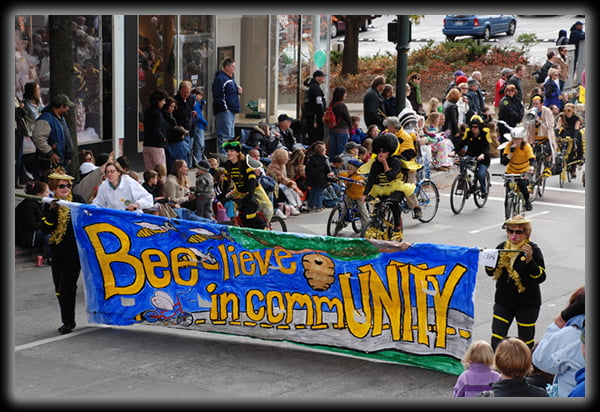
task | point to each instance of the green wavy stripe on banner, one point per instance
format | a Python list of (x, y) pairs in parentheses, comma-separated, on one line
[(336, 247), (445, 364)]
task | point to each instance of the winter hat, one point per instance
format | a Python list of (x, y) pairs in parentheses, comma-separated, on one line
[(406, 117), (461, 79)]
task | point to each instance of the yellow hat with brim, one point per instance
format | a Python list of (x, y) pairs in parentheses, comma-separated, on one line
[(60, 176), (517, 220)]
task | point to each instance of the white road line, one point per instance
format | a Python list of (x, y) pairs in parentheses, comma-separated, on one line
[(495, 226), (58, 338)]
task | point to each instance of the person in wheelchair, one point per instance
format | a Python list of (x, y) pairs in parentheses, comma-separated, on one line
[(518, 158), (386, 178), (570, 124)]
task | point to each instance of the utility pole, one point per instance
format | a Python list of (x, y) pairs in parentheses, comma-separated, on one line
[(399, 32)]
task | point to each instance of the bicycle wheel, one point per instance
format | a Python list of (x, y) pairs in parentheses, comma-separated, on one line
[(184, 319), (537, 178), (541, 186), (428, 197), (335, 222), (356, 220), (458, 194), (509, 205), (278, 224), (387, 221), (479, 200), (520, 205)]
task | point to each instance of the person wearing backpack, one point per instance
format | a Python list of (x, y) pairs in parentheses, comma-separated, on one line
[(314, 107), (541, 74), (339, 134)]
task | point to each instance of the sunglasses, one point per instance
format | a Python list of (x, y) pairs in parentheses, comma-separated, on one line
[(62, 186), (230, 145), (516, 232)]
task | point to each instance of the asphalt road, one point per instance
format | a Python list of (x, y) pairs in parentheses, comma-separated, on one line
[(160, 366)]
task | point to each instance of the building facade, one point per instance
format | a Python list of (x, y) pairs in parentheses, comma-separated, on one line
[(119, 59)]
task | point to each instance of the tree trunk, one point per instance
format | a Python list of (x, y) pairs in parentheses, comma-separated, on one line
[(350, 58), (61, 73)]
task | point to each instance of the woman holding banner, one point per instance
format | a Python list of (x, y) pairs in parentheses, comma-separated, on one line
[(56, 221), (518, 273)]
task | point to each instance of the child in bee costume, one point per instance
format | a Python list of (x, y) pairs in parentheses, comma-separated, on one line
[(249, 196), (386, 177)]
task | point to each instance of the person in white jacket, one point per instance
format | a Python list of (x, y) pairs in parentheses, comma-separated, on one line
[(559, 351), (120, 191)]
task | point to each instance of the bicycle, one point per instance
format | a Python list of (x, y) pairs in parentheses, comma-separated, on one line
[(166, 309), (341, 215), (537, 186), (381, 221), (515, 201), (565, 145), (466, 184)]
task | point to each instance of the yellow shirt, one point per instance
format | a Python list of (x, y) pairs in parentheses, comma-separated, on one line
[(519, 162)]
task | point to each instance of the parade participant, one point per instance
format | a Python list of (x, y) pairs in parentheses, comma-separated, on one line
[(519, 158), (386, 178), (540, 128), (56, 221), (255, 209), (518, 273), (120, 191), (476, 143)]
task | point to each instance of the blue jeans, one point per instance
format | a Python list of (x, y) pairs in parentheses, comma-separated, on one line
[(196, 146), (224, 128), (481, 169), (337, 143), (314, 198)]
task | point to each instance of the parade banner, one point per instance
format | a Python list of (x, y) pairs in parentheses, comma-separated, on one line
[(347, 295)]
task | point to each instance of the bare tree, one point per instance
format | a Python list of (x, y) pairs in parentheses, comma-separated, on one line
[(353, 23), (62, 72)]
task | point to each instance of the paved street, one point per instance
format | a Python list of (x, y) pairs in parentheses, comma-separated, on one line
[(153, 364), (162, 367)]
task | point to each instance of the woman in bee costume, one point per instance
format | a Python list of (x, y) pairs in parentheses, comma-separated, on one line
[(248, 194)]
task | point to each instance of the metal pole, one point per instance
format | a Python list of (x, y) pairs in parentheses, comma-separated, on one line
[(402, 47)]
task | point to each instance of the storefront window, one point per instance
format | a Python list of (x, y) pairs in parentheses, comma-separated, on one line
[(32, 55), (197, 49)]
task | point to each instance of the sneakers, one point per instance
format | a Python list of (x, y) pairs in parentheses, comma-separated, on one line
[(280, 214), (528, 206), (417, 213), (483, 195), (295, 211)]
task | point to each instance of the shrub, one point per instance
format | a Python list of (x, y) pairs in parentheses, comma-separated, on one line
[(436, 63)]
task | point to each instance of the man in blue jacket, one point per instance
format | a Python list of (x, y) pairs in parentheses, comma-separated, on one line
[(226, 102), (51, 134)]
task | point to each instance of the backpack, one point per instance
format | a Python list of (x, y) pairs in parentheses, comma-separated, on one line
[(540, 75), (329, 118)]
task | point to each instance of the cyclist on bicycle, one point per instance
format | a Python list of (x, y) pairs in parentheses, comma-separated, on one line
[(354, 191), (255, 209), (386, 178), (518, 158), (570, 124), (540, 122), (402, 127), (476, 143)]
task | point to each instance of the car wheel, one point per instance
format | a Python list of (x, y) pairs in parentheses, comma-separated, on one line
[(333, 31), (512, 27), (486, 34), (450, 38)]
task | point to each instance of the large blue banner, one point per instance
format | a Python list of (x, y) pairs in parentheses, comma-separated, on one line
[(348, 295)]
